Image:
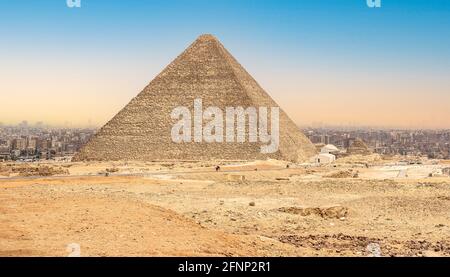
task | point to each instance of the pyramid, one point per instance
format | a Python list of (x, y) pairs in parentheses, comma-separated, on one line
[(358, 147), (141, 131)]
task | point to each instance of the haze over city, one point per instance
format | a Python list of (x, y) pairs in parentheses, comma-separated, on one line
[(333, 62)]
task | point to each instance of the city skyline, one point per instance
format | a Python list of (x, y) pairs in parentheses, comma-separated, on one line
[(329, 62), (30, 143)]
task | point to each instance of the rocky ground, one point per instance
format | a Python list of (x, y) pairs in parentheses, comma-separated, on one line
[(244, 209)]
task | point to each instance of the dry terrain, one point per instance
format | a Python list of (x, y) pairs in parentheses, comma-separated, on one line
[(244, 209)]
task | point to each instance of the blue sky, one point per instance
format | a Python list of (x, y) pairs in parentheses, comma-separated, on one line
[(312, 51)]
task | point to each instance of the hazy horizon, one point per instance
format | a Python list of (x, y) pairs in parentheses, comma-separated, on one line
[(69, 125), (329, 62)]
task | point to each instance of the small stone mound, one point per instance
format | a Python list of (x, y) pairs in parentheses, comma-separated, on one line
[(27, 170), (112, 170), (324, 212), (343, 174)]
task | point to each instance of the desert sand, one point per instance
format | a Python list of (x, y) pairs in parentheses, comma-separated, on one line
[(259, 208)]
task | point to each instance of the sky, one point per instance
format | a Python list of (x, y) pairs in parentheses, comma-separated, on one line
[(325, 62)]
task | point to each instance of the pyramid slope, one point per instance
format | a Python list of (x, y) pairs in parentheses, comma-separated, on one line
[(359, 147), (141, 130)]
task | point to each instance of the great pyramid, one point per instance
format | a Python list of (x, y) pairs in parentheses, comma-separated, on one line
[(141, 131)]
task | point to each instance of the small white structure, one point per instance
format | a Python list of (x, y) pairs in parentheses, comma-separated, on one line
[(323, 158), (329, 149)]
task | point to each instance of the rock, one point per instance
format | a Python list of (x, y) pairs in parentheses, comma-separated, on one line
[(341, 174), (373, 250), (324, 212), (252, 204), (334, 212)]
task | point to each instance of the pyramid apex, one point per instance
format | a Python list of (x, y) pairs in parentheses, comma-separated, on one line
[(207, 37)]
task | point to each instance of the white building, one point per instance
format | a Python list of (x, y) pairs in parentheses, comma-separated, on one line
[(323, 158), (329, 149)]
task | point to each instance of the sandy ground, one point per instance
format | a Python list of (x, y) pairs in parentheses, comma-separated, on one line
[(245, 209)]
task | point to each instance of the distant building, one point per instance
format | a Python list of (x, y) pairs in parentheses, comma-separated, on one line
[(19, 144), (44, 144), (323, 158), (5, 146), (15, 153), (329, 149), (5, 156), (4, 143), (446, 171), (32, 146)]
